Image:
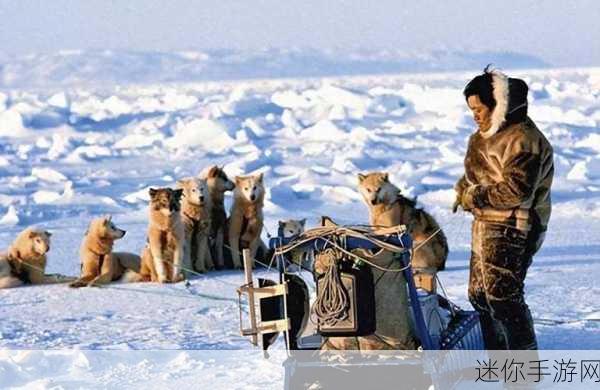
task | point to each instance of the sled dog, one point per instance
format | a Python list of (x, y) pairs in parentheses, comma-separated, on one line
[(195, 215), (387, 207), (99, 264), (218, 184), (162, 257), (292, 228), (246, 218), (25, 260)]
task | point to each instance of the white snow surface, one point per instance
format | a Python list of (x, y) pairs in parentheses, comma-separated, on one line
[(69, 154)]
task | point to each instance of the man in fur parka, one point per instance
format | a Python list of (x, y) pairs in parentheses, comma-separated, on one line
[(506, 186)]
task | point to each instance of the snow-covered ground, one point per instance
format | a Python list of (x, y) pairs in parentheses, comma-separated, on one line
[(70, 153)]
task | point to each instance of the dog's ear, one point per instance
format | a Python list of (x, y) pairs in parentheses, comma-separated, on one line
[(386, 177), (47, 233), (152, 192), (179, 184), (281, 224), (303, 222), (361, 178), (178, 194), (213, 171), (260, 177), (32, 234), (237, 180)]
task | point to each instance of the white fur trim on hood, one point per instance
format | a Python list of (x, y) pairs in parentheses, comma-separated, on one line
[(500, 92)]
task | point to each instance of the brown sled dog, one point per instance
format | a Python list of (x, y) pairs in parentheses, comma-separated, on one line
[(195, 215), (162, 257), (99, 264), (25, 261), (387, 207), (246, 219), (218, 184)]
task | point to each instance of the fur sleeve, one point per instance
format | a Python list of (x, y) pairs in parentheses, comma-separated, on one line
[(520, 173)]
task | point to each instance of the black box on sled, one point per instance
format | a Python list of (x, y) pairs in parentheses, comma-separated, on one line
[(358, 284)]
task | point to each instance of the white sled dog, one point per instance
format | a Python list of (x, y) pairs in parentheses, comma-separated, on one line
[(246, 219)]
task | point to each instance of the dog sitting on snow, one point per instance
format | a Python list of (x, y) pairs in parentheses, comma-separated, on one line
[(246, 218), (99, 264), (25, 260), (387, 207), (218, 183), (162, 257), (195, 215)]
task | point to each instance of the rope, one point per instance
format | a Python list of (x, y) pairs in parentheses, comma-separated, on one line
[(331, 305), (113, 287), (43, 271), (344, 232), (200, 274), (352, 231), (427, 239), (169, 294), (451, 305), (188, 286), (359, 258)]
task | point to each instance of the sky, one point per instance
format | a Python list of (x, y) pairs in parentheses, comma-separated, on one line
[(562, 33)]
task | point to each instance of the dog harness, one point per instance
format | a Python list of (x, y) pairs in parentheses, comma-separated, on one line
[(18, 272)]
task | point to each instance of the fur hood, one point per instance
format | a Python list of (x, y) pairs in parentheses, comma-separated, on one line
[(510, 95)]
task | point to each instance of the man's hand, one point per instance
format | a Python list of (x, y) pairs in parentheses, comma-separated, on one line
[(473, 197), (469, 198)]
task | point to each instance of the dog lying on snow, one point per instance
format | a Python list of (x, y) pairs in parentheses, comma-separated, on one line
[(387, 207), (246, 218), (99, 264), (162, 257), (25, 261), (218, 183), (195, 215)]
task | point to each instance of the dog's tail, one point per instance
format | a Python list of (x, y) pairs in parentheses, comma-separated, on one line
[(131, 276), (9, 282)]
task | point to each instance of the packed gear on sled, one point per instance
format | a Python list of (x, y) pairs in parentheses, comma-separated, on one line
[(353, 289), (364, 296)]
